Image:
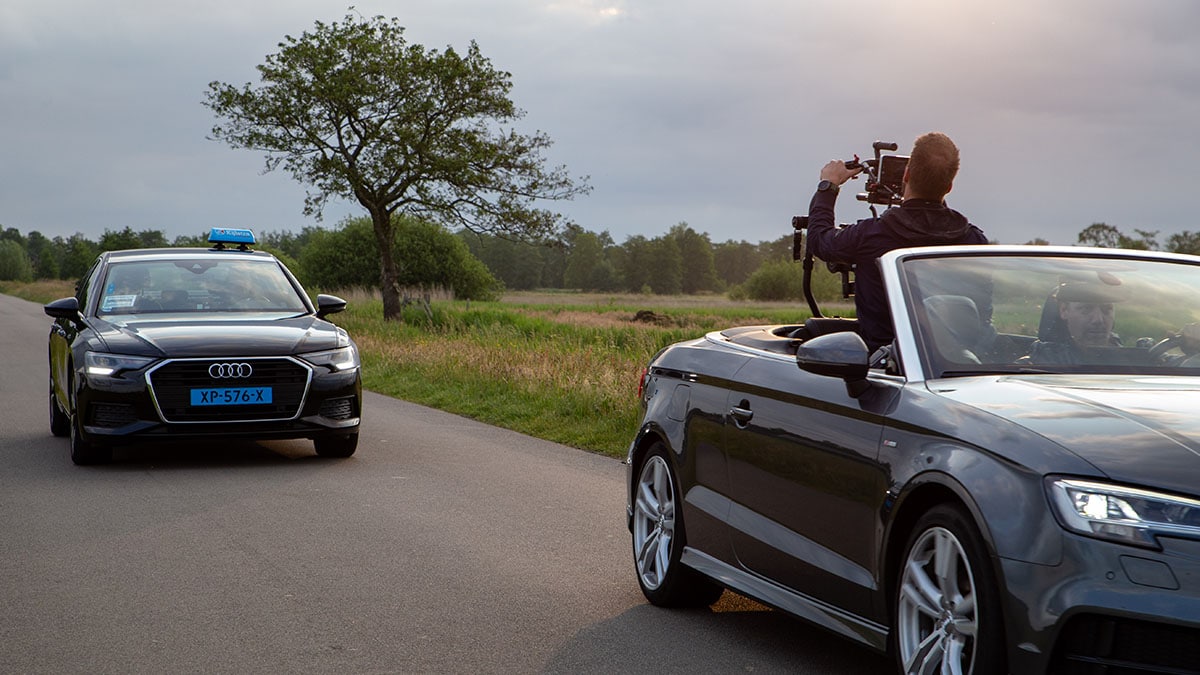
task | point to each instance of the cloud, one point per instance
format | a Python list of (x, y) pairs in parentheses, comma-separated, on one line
[(588, 10), (713, 113)]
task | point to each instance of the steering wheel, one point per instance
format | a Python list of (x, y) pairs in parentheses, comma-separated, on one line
[(1158, 353)]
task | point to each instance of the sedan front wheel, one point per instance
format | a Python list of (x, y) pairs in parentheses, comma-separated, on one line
[(336, 446), (60, 422), (84, 452)]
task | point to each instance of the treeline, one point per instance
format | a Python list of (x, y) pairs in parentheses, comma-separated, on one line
[(1109, 236), (474, 266), (681, 261)]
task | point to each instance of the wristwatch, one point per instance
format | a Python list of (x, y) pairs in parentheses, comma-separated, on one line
[(827, 186)]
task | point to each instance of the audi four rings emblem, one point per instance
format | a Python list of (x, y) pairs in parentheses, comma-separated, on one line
[(229, 371)]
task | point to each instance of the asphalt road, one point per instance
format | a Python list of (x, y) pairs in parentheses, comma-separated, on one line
[(443, 545)]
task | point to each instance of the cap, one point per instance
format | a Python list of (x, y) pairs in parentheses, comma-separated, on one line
[(1107, 289)]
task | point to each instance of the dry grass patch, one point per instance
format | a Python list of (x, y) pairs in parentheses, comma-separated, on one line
[(525, 364)]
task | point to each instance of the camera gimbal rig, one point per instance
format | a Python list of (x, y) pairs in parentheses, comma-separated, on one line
[(884, 185)]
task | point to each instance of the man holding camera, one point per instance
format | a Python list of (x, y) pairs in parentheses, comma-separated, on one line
[(922, 219)]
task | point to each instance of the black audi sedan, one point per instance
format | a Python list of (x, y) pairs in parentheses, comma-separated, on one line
[(1011, 486), (192, 343)]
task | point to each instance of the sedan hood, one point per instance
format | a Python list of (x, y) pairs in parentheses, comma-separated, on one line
[(254, 335), (1143, 430)]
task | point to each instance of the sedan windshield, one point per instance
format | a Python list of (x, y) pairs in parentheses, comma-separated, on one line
[(1078, 314), (198, 285)]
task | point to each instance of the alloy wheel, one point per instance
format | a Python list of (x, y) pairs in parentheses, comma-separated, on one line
[(654, 522), (937, 618)]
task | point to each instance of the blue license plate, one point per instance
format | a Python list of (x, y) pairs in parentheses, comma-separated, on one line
[(231, 396)]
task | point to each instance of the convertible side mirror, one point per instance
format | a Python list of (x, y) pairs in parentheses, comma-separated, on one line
[(843, 355), (329, 304)]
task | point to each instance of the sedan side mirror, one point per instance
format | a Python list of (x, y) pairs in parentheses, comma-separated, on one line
[(65, 308), (843, 355), (329, 304)]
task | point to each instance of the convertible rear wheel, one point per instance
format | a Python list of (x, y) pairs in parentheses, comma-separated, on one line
[(658, 539), (947, 608)]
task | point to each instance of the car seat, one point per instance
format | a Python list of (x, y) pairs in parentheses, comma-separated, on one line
[(955, 327)]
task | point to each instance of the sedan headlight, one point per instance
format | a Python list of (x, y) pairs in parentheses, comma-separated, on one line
[(1123, 514), (99, 364), (336, 360)]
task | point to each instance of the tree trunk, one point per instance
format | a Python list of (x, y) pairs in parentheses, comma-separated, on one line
[(389, 286)]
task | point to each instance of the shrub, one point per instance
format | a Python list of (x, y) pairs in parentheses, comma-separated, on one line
[(14, 262), (784, 280), (428, 257)]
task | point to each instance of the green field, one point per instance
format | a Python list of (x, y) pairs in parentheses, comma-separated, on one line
[(559, 366)]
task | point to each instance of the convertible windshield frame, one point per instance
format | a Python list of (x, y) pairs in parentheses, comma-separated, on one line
[(1149, 296)]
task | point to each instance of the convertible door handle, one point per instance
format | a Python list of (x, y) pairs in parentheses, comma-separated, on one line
[(741, 416)]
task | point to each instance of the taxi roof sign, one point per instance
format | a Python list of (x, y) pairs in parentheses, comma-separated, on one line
[(219, 236)]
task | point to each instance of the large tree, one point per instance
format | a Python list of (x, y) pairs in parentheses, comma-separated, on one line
[(354, 111)]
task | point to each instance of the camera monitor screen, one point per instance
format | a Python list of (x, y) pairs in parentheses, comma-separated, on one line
[(891, 172)]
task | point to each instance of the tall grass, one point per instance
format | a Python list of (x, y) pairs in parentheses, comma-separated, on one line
[(563, 367), (43, 291)]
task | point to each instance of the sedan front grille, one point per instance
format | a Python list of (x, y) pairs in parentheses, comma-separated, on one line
[(171, 385)]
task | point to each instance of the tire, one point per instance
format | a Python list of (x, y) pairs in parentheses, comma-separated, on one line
[(84, 453), (659, 539), (60, 422), (336, 446), (946, 614)]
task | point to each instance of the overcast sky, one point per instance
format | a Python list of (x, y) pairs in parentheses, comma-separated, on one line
[(715, 113)]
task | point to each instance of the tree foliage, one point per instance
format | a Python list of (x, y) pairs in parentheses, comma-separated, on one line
[(586, 256), (698, 272), (519, 265), (353, 110), (14, 262), (1184, 242), (735, 261), (1108, 236), (127, 239), (435, 259)]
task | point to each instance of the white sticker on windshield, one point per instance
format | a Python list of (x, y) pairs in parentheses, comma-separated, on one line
[(117, 301)]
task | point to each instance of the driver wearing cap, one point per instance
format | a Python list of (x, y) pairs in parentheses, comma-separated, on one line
[(1081, 318), (1087, 310)]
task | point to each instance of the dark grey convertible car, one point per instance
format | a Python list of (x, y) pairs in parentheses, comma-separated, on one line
[(1012, 486)]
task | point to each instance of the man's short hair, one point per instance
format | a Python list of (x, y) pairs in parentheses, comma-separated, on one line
[(932, 165)]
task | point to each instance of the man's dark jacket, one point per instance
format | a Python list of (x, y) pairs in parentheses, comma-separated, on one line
[(917, 222)]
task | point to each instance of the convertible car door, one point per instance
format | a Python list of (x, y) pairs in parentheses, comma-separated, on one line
[(804, 480)]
